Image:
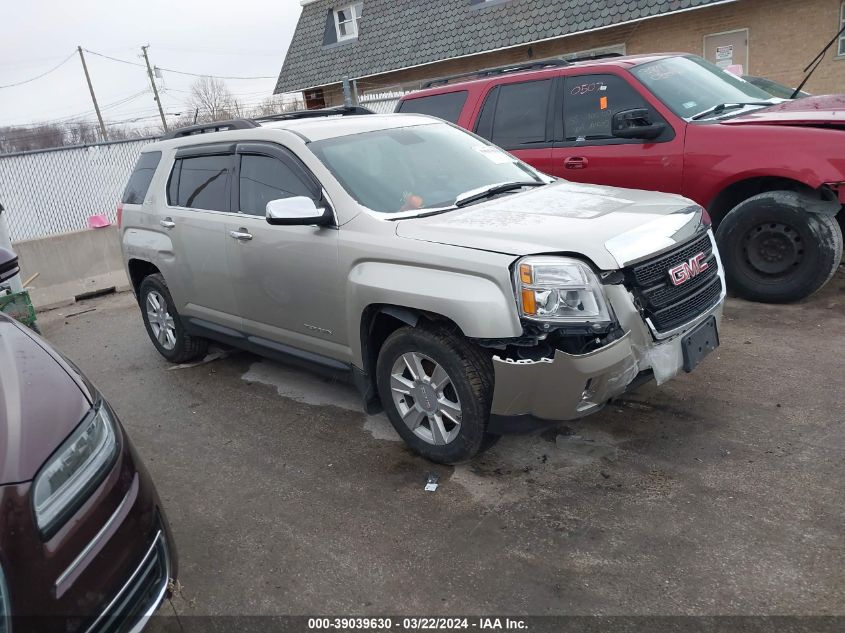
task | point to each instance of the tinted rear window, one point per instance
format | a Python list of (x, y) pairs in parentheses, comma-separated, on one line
[(139, 181), (446, 106), (201, 182), (514, 115)]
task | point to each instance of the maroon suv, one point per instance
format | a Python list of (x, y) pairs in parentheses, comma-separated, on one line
[(84, 545), (771, 173)]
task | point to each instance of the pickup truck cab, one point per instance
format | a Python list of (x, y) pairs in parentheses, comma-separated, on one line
[(459, 288), (770, 173)]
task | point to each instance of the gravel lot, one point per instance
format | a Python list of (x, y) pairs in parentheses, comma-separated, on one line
[(719, 493)]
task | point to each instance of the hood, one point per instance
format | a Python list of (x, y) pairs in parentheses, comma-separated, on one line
[(41, 402), (610, 226), (823, 110)]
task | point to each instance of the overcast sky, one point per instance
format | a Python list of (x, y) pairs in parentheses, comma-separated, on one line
[(246, 38)]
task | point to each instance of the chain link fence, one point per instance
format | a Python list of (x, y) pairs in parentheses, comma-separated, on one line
[(47, 192)]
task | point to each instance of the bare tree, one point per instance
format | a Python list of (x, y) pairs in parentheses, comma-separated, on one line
[(81, 133), (31, 137), (213, 101)]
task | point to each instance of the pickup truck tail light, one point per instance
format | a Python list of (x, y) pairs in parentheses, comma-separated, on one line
[(119, 214)]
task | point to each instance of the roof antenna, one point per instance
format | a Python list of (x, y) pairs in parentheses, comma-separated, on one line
[(817, 60)]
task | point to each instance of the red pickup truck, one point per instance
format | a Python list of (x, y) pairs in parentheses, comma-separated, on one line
[(770, 172)]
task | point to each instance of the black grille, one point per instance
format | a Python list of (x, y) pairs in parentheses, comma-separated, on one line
[(666, 304)]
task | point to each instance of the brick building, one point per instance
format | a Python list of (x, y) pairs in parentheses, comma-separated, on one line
[(397, 44)]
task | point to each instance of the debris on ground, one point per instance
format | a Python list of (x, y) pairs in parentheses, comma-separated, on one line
[(431, 479), (215, 354)]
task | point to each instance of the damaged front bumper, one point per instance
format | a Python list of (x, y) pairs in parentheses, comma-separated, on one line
[(532, 394)]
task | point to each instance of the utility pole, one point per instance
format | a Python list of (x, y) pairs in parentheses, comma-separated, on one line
[(93, 97), (153, 84)]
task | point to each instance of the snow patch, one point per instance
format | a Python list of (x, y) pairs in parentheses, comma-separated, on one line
[(308, 388)]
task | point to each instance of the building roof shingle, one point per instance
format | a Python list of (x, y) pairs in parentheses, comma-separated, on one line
[(396, 34)]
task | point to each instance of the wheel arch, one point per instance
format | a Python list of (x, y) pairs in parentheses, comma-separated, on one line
[(741, 190), (379, 321), (138, 270)]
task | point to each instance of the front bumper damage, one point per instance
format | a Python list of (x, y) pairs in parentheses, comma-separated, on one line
[(532, 394)]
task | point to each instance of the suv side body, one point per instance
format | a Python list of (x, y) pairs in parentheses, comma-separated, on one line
[(348, 290), (788, 156)]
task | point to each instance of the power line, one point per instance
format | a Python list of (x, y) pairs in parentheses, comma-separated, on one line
[(44, 74), (69, 118), (171, 70)]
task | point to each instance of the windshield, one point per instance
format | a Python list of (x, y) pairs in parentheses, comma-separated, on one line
[(691, 85), (417, 168)]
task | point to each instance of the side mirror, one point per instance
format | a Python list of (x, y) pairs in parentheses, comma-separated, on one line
[(635, 123), (8, 264), (297, 210)]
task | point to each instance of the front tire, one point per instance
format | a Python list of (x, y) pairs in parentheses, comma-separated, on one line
[(436, 388), (774, 251), (164, 324)]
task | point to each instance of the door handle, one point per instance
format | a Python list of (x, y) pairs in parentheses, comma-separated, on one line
[(242, 235), (576, 162), (167, 223)]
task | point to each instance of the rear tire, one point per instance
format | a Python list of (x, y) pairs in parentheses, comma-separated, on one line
[(436, 388), (774, 251), (164, 325)]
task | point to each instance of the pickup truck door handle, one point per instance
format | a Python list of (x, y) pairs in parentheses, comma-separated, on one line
[(242, 235), (167, 223), (576, 162)]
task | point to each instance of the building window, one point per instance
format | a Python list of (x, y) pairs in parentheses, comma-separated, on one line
[(841, 50), (346, 21)]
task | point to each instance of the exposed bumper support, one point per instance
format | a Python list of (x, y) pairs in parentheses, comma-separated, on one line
[(537, 393)]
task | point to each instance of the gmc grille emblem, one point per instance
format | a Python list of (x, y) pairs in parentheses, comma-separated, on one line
[(685, 271)]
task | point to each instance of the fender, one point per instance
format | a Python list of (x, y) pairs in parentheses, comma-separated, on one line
[(720, 156), (481, 307)]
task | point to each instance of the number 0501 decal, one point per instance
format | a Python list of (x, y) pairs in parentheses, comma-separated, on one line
[(583, 89)]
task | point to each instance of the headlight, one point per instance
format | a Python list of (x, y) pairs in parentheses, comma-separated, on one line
[(73, 471), (560, 290), (5, 609)]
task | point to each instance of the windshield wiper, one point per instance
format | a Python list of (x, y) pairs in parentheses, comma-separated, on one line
[(488, 192), (728, 106)]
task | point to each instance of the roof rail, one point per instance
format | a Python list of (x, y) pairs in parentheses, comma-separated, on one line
[(593, 56), (499, 70), (310, 114), (515, 68), (245, 124), (215, 126)]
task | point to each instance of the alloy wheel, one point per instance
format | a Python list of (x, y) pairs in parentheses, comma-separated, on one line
[(425, 398), (160, 320)]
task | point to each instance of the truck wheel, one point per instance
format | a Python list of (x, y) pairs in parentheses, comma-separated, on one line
[(776, 252), (164, 325), (436, 388)]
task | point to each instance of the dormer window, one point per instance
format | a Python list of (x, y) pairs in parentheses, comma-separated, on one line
[(346, 21)]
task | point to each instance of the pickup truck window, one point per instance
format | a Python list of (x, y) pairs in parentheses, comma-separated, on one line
[(589, 102), (446, 106), (691, 85), (514, 115), (264, 178), (415, 168)]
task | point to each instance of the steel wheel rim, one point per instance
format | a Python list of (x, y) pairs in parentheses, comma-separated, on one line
[(773, 249), (426, 398), (160, 320)]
